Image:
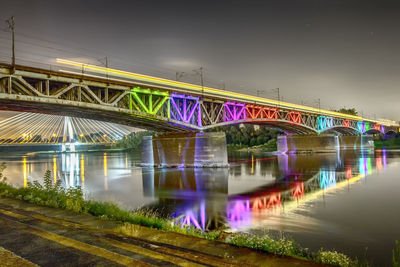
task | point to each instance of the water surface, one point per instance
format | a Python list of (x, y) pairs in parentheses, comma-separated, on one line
[(347, 201)]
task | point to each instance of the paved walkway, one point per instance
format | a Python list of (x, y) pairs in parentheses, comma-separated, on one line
[(32, 235)]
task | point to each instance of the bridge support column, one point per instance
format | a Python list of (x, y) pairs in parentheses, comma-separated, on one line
[(197, 150), (323, 143)]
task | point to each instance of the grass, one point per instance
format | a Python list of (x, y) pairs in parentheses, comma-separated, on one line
[(52, 194), (396, 255)]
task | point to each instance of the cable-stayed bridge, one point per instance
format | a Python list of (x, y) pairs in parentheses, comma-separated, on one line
[(43, 129)]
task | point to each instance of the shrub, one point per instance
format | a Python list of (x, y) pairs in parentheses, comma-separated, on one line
[(333, 258), (281, 246)]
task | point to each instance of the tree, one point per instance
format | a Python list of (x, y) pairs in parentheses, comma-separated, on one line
[(350, 111)]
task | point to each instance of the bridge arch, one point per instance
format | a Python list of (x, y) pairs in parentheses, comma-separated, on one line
[(283, 125), (341, 130)]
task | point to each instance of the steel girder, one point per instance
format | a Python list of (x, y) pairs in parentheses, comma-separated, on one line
[(154, 108)]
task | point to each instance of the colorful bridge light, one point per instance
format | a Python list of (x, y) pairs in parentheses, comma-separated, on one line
[(261, 112), (382, 128), (234, 111), (185, 108), (324, 122), (295, 116), (271, 201), (378, 163), (377, 127), (346, 123), (238, 213), (327, 179), (367, 126), (298, 191), (349, 172), (146, 100), (196, 88), (361, 126)]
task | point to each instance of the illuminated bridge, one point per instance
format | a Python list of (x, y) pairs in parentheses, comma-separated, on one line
[(43, 129), (93, 92)]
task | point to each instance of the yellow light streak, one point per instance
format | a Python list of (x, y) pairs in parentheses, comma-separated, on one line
[(141, 77), (291, 205), (25, 173), (105, 173), (83, 171), (55, 169)]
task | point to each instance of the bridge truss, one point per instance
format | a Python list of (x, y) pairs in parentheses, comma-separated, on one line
[(162, 107)]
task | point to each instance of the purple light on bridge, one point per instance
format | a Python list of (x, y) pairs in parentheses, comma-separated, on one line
[(234, 111), (185, 113)]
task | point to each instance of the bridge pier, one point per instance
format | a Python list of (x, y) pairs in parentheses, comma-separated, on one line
[(323, 143), (199, 150)]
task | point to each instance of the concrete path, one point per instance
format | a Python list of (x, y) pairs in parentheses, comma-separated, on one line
[(32, 235)]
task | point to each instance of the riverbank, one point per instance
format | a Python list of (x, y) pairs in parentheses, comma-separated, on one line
[(393, 143), (267, 147), (52, 195), (82, 239)]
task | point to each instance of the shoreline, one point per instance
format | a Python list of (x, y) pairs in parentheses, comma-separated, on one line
[(71, 200)]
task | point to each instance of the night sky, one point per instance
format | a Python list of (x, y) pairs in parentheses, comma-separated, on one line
[(344, 52)]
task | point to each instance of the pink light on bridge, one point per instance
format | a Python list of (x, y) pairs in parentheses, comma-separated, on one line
[(238, 213), (234, 111), (346, 123)]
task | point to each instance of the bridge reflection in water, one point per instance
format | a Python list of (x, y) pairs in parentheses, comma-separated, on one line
[(251, 193), (203, 199)]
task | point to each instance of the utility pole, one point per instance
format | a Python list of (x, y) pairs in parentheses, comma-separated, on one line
[(278, 92), (105, 63), (11, 26), (107, 67), (179, 75), (279, 96), (201, 77), (200, 72)]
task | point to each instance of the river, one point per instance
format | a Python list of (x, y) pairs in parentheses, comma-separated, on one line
[(347, 201)]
